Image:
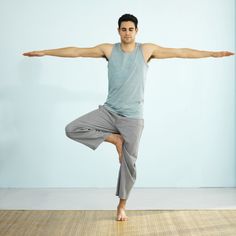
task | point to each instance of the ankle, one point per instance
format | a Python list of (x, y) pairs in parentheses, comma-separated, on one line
[(121, 205)]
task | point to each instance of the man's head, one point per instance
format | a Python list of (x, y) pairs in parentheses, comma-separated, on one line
[(127, 28)]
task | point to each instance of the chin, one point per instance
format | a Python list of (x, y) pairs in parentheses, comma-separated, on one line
[(128, 40)]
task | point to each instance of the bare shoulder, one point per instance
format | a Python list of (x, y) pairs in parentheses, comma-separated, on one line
[(106, 48), (105, 45), (148, 49), (149, 46)]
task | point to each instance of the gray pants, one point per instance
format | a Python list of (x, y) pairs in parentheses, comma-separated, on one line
[(92, 129)]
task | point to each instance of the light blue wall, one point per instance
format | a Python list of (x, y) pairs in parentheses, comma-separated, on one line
[(189, 134)]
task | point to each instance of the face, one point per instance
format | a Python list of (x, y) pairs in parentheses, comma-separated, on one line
[(127, 32)]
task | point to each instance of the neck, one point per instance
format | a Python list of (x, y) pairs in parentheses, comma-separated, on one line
[(128, 47)]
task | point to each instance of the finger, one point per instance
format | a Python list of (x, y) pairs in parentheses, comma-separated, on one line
[(228, 53), (27, 54)]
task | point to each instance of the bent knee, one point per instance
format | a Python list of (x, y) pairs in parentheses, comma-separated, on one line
[(70, 129)]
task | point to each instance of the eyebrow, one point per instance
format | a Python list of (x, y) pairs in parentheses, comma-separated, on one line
[(129, 28)]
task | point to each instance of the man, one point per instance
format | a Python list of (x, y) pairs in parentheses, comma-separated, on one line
[(120, 119)]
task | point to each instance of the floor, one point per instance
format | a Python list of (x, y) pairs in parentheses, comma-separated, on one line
[(103, 223), (105, 199)]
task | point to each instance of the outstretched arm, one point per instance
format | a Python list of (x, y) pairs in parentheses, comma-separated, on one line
[(97, 51), (162, 52)]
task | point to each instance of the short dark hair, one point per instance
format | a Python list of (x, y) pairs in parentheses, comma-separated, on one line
[(128, 17)]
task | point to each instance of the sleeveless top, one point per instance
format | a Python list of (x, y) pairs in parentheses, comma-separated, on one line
[(126, 81)]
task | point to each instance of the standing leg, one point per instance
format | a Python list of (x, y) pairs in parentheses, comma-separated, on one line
[(131, 131)]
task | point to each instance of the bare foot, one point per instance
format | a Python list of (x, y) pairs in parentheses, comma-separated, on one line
[(121, 216), (119, 145), (117, 140)]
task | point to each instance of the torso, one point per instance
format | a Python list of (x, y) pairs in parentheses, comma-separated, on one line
[(126, 76), (147, 51)]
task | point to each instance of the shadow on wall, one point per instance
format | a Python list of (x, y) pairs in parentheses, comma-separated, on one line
[(27, 114)]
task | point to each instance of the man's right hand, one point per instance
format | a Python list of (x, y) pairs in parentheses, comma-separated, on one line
[(34, 54)]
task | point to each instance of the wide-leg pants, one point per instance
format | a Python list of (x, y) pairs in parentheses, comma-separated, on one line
[(92, 129)]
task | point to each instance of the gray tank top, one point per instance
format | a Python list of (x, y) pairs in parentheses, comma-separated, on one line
[(126, 81)]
